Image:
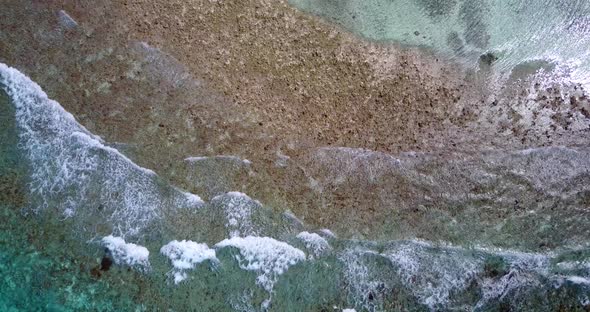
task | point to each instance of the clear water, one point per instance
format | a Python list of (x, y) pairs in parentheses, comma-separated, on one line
[(63, 191), (509, 33)]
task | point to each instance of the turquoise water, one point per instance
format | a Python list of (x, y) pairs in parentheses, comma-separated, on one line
[(512, 32), (65, 192)]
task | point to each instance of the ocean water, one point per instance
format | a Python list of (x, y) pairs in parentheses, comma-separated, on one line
[(84, 228), (505, 34)]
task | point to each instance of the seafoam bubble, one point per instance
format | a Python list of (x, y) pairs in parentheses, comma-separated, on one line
[(238, 209), (268, 257), (328, 233), (243, 301), (265, 255), (189, 200), (127, 253), (523, 271), (433, 274), (186, 255), (315, 244), (228, 158), (364, 282)]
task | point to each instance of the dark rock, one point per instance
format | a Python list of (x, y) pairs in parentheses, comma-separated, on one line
[(105, 263)]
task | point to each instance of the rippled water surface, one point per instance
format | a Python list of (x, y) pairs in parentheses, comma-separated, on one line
[(507, 33), (86, 226)]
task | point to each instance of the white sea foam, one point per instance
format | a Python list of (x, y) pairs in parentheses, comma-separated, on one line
[(195, 159), (190, 199), (579, 280), (293, 219), (314, 243), (523, 271), (69, 165), (243, 301), (266, 256), (65, 20), (432, 273), (126, 253), (238, 209), (360, 276), (328, 233), (343, 162), (185, 255), (229, 158)]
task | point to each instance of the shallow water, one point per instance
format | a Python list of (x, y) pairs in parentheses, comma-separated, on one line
[(64, 202), (85, 228), (503, 33)]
